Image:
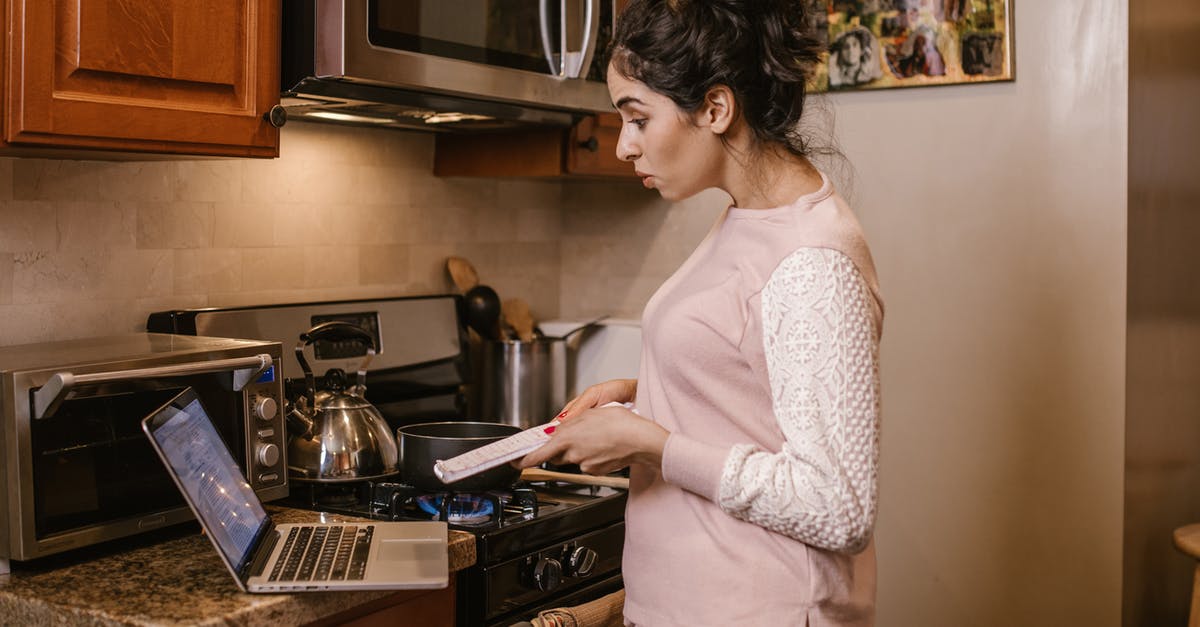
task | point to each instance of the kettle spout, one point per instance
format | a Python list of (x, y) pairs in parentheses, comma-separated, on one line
[(300, 419)]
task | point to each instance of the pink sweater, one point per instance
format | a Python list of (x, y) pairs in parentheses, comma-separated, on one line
[(760, 356)]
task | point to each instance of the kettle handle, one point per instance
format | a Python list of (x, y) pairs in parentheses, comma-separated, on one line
[(333, 330), (336, 330)]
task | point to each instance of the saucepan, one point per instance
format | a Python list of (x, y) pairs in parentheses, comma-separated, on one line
[(423, 444)]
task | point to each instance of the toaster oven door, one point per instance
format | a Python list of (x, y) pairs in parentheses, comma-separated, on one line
[(92, 464), (86, 472)]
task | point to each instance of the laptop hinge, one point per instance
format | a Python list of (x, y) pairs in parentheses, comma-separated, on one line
[(261, 556)]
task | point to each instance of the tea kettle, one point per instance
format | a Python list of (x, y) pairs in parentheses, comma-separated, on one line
[(335, 434)]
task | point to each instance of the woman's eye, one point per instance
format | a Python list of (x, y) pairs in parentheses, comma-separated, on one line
[(639, 122)]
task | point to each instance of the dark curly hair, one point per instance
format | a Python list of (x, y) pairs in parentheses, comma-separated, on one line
[(763, 50)]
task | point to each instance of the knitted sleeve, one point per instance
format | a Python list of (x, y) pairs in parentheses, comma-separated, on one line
[(821, 342)]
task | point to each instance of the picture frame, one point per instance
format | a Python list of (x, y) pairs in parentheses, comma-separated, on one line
[(882, 44)]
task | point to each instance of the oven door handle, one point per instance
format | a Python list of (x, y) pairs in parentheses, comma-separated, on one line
[(48, 398)]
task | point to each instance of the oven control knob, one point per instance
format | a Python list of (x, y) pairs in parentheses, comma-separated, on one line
[(268, 454), (547, 574), (580, 562), (265, 407)]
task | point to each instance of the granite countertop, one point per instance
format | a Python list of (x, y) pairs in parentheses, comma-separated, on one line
[(172, 579)]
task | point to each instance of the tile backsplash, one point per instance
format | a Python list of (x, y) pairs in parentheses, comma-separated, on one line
[(91, 247)]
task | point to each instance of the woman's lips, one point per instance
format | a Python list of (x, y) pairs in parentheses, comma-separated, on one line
[(647, 180)]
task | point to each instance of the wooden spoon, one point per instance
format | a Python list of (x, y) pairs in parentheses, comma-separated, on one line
[(518, 316), (538, 474), (462, 273)]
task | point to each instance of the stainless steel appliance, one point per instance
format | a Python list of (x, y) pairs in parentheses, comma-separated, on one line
[(77, 469), (446, 64), (539, 544), (419, 370)]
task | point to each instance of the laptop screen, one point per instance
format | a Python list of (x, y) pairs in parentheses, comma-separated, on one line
[(220, 496)]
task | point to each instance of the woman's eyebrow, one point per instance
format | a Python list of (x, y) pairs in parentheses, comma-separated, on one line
[(626, 100)]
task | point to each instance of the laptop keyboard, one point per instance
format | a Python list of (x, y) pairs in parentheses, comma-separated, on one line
[(326, 553)]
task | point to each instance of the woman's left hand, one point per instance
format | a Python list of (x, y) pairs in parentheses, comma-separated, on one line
[(602, 440)]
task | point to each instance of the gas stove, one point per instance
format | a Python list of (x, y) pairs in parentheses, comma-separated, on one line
[(538, 545)]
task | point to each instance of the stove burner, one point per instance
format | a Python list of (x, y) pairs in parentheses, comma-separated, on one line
[(463, 509)]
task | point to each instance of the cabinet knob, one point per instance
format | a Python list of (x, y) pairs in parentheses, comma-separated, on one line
[(590, 144), (277, 116)]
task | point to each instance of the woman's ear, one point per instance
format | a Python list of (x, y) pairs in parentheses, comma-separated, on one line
[(719, 110)]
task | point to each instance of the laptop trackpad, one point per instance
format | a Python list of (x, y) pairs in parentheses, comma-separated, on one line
[(422, 558)]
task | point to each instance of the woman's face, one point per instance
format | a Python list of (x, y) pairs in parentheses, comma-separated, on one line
[(852, 50), (668, 149)]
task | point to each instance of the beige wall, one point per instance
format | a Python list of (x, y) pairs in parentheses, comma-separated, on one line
[(91, 247), (997, 216)]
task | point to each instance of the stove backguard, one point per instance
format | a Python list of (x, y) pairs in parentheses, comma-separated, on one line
[(419, 374)]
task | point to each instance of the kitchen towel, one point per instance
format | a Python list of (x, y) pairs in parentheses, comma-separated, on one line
[(603, 612)]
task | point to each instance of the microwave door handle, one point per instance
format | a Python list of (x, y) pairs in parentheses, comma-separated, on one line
[(544, 24), (588, 48), (50, 396)]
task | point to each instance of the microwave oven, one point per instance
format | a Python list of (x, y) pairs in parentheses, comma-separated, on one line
[(77, 469), (446, 65)]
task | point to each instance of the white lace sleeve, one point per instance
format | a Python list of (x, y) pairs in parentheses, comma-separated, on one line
[(822, 352)]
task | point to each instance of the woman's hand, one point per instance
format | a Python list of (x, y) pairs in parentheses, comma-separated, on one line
[(612, 391), (602, 440)]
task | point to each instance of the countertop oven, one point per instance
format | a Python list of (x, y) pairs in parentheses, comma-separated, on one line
[(77, 469)]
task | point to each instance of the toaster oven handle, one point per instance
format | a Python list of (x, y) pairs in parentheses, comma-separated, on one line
[(47, 398)]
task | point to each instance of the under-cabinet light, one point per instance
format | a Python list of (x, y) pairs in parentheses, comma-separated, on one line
[(347, 117)]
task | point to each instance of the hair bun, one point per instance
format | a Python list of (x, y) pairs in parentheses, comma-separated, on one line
[(763, 50)]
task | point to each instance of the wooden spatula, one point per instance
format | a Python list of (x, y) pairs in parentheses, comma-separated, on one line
[(518, 316), (462, 273)]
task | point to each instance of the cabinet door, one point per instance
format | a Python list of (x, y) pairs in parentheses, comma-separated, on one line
[(592, 150), (587, 150), (173, 76)]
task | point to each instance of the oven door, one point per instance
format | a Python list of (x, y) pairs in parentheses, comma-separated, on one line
[(92, 474), (580, 596)]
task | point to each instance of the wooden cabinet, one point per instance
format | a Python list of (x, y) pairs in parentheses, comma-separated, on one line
[(429, 608), (165, 76), (588, 150)]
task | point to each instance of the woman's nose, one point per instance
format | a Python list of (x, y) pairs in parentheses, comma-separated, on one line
[(626, 149)]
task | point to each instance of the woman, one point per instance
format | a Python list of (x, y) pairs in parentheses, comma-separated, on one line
[(753, 443), (852, 59)]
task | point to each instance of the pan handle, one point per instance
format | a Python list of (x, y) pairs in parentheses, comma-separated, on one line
[(539, 474)]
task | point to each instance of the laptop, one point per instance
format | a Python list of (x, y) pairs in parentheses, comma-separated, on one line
[(267, 557)]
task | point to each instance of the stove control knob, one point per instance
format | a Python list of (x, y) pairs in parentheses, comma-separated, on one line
[(265, 407), (547, 574), (580, 562), (267, 454)]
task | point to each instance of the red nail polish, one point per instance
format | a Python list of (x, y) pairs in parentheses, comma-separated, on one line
[(549, 430), (561, 415)]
